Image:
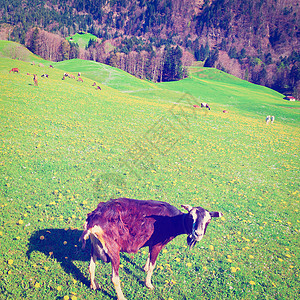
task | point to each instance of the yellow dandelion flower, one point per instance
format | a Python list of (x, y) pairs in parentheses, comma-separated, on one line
[(177, 259), (252, 282), (251, 256), (273, 284), (229, 260), (66, 297), (211, 247), (189, 264), (233, 269), (20, 222), (65, 242), (73, 297), (10, 261), (59, 288), (37, 285)]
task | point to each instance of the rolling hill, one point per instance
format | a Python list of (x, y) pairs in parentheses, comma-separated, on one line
[(66, 145)]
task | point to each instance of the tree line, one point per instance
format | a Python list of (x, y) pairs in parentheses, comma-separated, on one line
[(252, 32)]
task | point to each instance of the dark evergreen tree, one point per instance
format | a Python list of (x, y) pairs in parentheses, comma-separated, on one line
[(33, 41), (172, 69), (212, 58)]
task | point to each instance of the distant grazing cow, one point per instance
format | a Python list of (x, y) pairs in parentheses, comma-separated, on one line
[(126, 225), (79, 74), (72, 76), (98, 87), (28, 74), (196, 106), (272, 119), (205, 105), (94, 84), (45, 75), (41, 65), (225, 111), (80, 79), (51, 66), (268, 120), (14, 70), (35, 80)]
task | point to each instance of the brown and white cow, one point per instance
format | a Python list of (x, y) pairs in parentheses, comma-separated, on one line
[(14, 70), (203, 104), (126, 225), (35, 79)]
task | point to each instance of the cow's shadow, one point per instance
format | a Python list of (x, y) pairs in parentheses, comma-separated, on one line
[(64, 246)]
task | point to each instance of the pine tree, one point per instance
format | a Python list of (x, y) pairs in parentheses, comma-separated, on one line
[(33, 42), (173, 66)]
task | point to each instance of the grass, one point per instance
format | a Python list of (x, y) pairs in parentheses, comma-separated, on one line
[(82, 39), (65, 146)]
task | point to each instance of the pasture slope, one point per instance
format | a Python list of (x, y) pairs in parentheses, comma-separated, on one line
[(81, 39), (65, 146)]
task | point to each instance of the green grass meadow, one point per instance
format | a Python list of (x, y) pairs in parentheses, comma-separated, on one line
[(81, 39), (65, 146)]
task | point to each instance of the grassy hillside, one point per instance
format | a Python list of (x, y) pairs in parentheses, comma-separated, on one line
[(81, 39), (65, 146), (19, 52)]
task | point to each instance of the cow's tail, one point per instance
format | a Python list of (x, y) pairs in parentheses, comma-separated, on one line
[(85, 235)]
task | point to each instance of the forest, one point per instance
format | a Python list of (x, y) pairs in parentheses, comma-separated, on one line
[(156, 40)]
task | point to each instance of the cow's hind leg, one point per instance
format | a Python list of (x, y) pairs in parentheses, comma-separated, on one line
[(115, 277), (92, 267)]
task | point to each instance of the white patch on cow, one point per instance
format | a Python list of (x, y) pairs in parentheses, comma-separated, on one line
[(98, 233), (193, 213), (201, 226)]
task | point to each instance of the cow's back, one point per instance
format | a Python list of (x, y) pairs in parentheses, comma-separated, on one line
[(130, 222)]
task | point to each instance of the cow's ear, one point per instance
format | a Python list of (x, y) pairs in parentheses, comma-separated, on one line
[(187, 207), (215, 214)]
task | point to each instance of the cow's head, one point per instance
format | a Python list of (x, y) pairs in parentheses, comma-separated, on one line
[(196, 223)]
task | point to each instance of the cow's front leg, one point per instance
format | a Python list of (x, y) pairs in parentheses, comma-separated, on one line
[(151, 261), (146, 267)]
